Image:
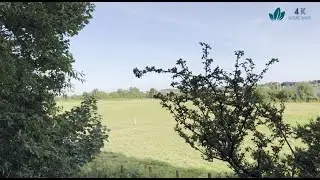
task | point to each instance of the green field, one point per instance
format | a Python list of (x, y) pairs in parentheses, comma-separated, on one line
[(142, 135)]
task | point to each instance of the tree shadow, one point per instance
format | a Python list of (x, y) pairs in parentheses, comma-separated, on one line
[(116, 165)]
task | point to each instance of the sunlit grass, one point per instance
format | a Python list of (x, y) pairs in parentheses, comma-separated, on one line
[(143, 130)]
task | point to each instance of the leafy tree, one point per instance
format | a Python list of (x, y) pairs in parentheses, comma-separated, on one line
[(275, 85), (84, 94), (286, 94), (98, 94), (227, 110), (135, 93), (37, 139), (264, 92), (95, 92), (309, 158), (305, 91), (65, 96), (288, 84), (152, 92)]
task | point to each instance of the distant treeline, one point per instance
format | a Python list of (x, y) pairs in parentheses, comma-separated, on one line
[(131, 93), (291, 91), (288, 91)]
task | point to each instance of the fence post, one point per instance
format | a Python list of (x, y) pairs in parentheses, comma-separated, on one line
[(209, 175), (177, 174), (121, 171), (150, 170)]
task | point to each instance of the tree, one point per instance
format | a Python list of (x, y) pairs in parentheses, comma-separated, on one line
[(309, 158), (286, 94), (134, 93), (95, 91), (226, 109), (98, 94), (152, 92), (65, 96), (37, 139), (305, 91), (275, 85)]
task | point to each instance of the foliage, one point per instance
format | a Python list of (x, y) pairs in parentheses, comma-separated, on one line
[(36, 66), (152, 92), (309, 158), (227, 108), (115, 165), (305, 91), (131, 93), (286, 94), (267, 91), (290, 91)]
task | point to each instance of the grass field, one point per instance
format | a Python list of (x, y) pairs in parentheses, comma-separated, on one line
[(142, 135)]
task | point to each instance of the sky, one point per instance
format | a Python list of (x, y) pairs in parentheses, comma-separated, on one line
[(123, 35)]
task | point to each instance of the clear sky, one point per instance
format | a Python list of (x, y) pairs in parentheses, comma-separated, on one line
[(122, 36)]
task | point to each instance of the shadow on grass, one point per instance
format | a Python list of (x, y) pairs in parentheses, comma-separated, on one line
[(114, 165)]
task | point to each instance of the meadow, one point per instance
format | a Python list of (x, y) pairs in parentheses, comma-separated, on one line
[(142, 136)]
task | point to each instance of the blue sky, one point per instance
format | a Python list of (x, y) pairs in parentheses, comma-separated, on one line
[(122, 36)]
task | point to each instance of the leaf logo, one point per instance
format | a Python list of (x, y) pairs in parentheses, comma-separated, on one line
[(277, 15)]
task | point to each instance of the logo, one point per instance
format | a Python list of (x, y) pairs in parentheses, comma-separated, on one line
[(277, 15)]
